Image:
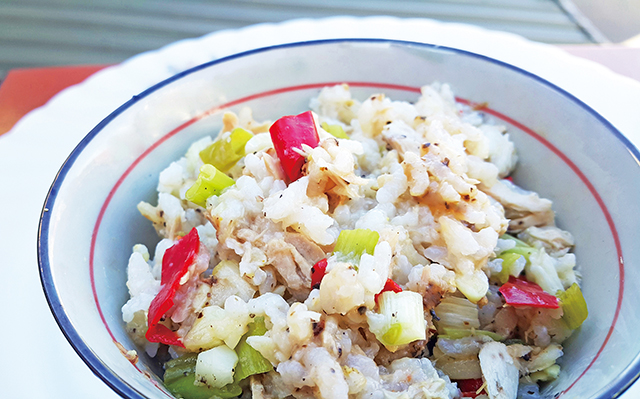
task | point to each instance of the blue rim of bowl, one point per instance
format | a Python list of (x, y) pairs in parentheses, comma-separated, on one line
[(621, 383)]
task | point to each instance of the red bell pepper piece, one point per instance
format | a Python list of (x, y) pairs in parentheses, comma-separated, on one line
[(317, 273), (291, 132), (175, 264), (390, 285), (470, 387), (519, 292)]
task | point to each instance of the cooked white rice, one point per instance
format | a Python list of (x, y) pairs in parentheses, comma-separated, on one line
[(429, 178)]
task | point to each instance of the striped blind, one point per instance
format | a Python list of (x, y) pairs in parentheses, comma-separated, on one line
[(66, 32)]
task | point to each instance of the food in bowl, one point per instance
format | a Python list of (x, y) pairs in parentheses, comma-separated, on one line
[(365, 249)]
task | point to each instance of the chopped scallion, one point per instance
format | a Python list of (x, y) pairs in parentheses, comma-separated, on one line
[(523, 251), (548, 374), (250, 361), (574, 306), (351, 244), (179, 378), (210, 182), (179, 367), (509, 260), (473, 285), (336, 130), (457, 333), (400, 319), (227, 150), (185, 388), (456, 313)]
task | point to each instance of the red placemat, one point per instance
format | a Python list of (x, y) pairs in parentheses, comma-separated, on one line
[(27, 89)]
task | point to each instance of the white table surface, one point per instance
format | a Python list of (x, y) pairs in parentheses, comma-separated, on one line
[(38, 361)]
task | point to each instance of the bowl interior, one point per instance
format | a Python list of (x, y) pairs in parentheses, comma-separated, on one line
[(567, 153)]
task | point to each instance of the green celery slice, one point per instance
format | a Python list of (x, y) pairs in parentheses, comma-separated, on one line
[(179, 378), (508, 259), (400, 319), (336, 130), (210, 182), (351, 244), (179, 367), (524, 251), (574, 306), (456, 313), (185, 388), (457, 333), (250, 361), (393, 334), (521, 248), (226, 152), (548, 374)]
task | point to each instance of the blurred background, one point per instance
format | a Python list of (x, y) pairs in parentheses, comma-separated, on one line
[(36, 33)]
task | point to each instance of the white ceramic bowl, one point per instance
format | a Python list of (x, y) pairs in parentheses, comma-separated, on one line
[(567, 153)]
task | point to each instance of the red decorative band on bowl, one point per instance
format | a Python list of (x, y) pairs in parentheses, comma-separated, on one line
[(374, 85)]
